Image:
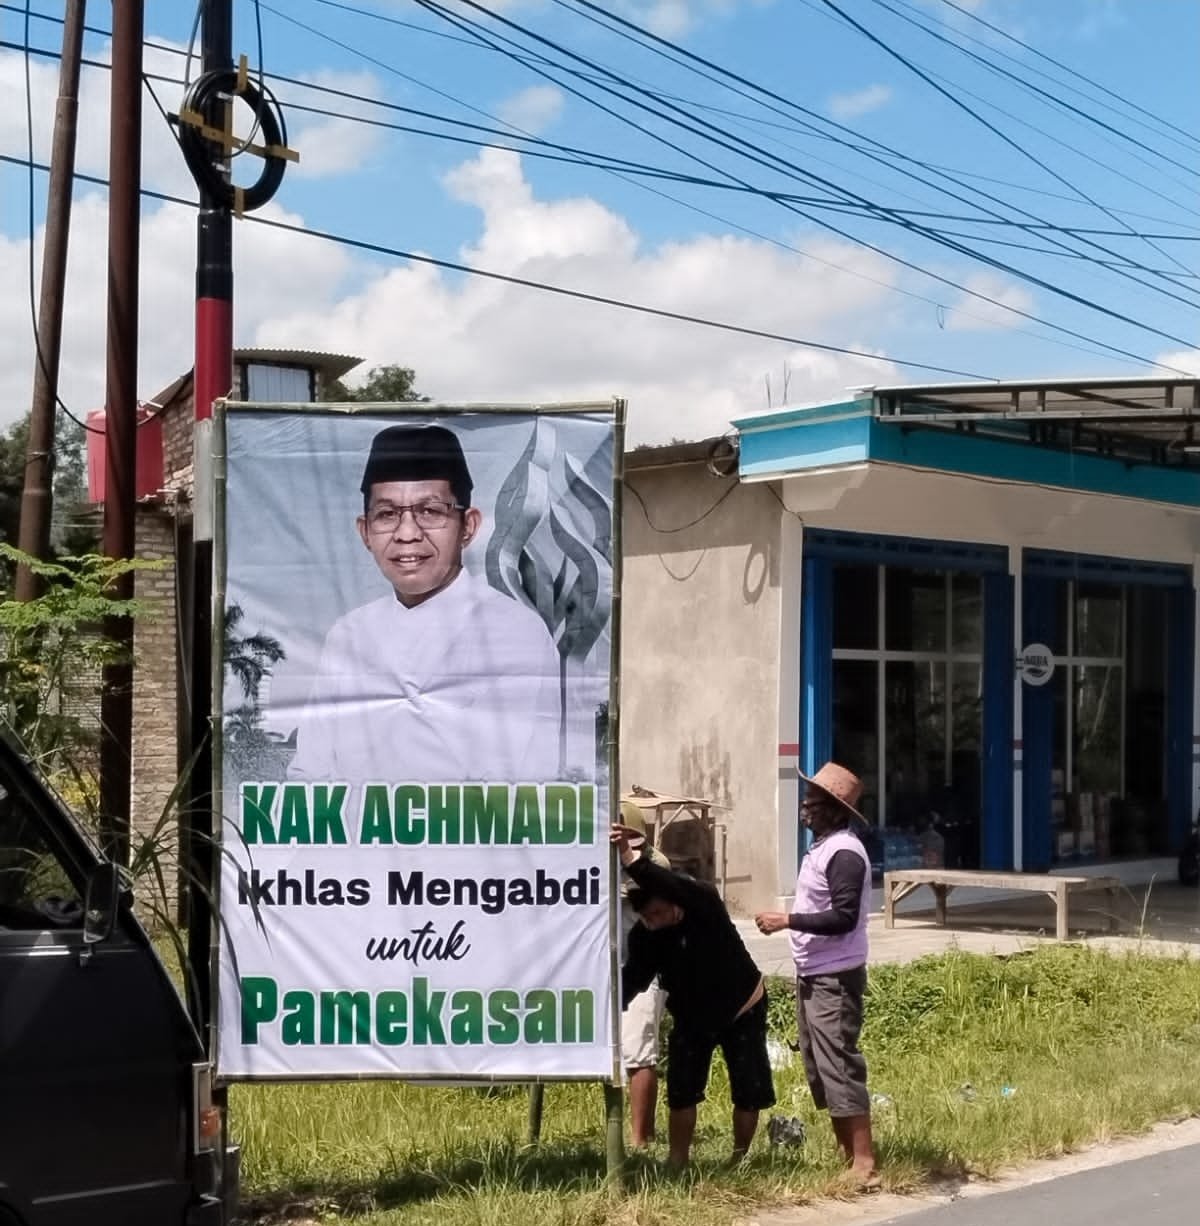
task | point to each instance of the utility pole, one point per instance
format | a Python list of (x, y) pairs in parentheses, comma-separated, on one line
[(36, 500), (212, 379), (120, 410)]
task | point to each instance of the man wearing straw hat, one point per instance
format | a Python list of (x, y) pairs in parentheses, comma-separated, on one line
[(641, 1022), (828, 931)]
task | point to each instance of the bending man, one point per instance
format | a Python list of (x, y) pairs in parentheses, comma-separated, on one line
[(715, 994)]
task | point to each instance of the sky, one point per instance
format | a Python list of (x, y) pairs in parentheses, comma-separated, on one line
[(931, 189)]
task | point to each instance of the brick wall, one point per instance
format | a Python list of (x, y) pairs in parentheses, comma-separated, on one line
[(156, 661), (177, 444)]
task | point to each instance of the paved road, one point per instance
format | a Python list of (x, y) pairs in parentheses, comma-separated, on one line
[(1161, 1189)]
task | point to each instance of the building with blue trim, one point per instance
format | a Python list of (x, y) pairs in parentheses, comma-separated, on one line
[(862, 583)]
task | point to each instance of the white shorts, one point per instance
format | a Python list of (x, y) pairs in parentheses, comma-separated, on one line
[(640, 1025)]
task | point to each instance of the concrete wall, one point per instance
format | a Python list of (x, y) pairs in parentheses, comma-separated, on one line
[(701, 624), (711, 619), (916, 502)]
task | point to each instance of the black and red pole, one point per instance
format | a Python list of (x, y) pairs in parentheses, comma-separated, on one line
[(212, 379)]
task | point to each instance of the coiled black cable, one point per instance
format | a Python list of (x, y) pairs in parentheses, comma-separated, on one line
[(198, 148)]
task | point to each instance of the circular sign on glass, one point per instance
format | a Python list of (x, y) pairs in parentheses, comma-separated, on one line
[(1036, 664)]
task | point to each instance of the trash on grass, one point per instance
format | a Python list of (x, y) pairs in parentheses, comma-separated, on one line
[(785, 1130)]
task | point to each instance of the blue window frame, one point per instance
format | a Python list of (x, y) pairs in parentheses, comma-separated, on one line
[(989, 661)]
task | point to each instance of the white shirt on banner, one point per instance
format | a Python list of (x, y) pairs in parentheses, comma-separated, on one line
[(463, 687)]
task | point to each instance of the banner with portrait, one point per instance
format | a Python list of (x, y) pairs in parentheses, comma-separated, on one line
[(417, 651)]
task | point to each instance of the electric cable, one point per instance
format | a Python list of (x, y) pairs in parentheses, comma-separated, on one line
[(431, 5), (546, 287)]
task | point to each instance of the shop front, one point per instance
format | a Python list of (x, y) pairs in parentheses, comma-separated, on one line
[(997, 618)]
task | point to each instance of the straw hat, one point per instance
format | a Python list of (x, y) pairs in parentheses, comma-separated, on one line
[(633, 817), (840, 785)]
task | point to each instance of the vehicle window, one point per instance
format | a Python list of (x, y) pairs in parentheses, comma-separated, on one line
[(35, 891)]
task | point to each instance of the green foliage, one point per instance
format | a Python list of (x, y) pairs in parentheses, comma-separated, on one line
[(383, 383), (54, 649)]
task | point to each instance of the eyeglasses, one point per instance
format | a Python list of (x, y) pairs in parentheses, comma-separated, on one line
[(427, 515)]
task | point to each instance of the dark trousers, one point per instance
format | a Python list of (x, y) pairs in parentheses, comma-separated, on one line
[(829, 1013)]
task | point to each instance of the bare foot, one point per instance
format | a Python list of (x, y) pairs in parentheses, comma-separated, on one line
[(865, 1177)]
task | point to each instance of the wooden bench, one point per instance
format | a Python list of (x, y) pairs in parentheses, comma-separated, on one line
[(902, 882)]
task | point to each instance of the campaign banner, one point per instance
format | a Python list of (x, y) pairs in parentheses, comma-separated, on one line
[(417, 652)]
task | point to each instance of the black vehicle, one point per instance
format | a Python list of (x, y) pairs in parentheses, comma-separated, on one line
[(106, 1112)]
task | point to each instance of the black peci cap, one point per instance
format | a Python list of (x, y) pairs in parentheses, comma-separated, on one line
[(418, 453)]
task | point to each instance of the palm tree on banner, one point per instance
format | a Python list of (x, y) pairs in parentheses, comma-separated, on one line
[(249, 660), (249, 657), (552, 549)]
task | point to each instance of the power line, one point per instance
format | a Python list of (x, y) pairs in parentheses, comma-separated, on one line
[(991, 127), (979, 295), (543, 286), (574, 156), (953, 245), (940, 307), (691, 523), (603, 161), (817, 7), (879, 151), (636, 168), (1041, 93), (656, 43), (1081, 336), (989, 46), (883, 151), (1104, 89), (809, 129), (1071, 109), (739, 185)]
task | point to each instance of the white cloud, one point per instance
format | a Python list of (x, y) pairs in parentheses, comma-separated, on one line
[(162, 165), (970, 314), (331, 146), (1182, 359), (272, 268), (861, 102), (467, 337), (471, 338), (532, 110)]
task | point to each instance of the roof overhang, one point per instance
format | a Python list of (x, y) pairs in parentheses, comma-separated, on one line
[(1142, 420)]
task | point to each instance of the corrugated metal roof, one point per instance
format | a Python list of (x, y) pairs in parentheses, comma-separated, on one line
[(332, 365)]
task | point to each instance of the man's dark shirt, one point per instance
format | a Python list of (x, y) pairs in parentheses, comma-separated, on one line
[(846, 875), (701, 961)]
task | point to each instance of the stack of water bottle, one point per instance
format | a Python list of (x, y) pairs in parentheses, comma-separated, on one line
[(906, 849), (901, 849)]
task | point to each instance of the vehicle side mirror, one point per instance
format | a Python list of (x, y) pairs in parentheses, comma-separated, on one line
[(101, 903)]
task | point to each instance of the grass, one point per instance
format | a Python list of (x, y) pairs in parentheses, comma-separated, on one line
[(1060, 1047)]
